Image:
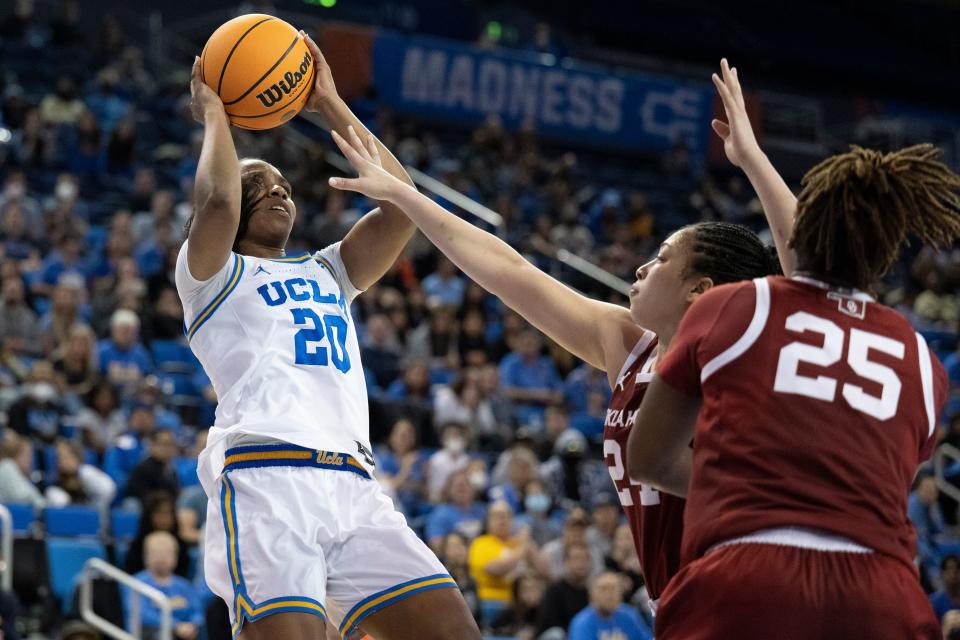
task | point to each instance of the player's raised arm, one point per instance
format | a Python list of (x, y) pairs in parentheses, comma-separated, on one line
[(742, 149), (217, 185), (375, 242), (587, 328)]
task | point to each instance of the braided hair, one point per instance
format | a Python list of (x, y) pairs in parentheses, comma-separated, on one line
[(252, 189), (726, 253), (856, 209)]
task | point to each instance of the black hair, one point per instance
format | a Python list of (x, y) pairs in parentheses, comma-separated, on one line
[(947, 559), (726, 252)]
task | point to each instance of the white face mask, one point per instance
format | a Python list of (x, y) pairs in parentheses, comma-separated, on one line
[(66, 190), (43, 392), (455, 445), (15, 190), (478, 480)]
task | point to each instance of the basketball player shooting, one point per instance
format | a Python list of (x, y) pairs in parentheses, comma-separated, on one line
[(295, 518)]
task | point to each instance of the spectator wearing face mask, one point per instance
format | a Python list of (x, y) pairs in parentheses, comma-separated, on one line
[(38, 413), (521, 468), (452, 457), (536, 515)]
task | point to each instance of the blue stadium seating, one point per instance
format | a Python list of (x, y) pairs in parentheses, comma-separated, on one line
[(66, 557), (124, 524), (71, 521), (23, 517)]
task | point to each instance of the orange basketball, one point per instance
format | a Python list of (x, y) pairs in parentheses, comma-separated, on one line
[(261, 69)]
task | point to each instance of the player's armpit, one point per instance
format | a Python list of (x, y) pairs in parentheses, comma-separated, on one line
[(658, 449)]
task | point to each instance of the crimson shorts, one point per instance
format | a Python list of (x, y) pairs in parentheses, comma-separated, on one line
[(762, 591)]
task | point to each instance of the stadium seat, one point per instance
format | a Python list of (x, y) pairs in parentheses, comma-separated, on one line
[(187, 471), (23, 517), (66, 557), (124, 524), (71, 521)]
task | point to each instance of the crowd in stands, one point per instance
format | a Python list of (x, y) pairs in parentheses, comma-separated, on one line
[(487, 437)]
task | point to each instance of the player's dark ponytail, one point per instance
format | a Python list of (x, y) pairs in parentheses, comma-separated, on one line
[(726, 253)]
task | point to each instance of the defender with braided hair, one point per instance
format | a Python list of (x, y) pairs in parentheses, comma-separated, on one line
[(625, 343), (810, 406)]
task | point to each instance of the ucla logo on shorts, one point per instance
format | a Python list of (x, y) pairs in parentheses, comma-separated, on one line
[(329, 457)]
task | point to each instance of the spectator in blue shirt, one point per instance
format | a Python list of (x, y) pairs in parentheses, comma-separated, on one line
[(400, 466), (529, 378), (414, 384), (948, 597), (521, 467), (67, 258), (160, 551), (123, 360), (580, 382), (607, 616), (459, 512), (933, 543), (444, 286)]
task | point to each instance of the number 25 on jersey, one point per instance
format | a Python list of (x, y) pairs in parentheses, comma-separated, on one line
[(789, 380)]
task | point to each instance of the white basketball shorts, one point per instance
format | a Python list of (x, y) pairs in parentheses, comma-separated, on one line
[(295, 528)]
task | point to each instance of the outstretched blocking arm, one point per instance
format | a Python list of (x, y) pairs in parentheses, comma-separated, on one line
[(576, 322), (742, 149), (376, 240), (217, 185)]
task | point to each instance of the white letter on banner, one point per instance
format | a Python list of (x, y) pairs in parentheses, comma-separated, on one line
[(553, 82), (683, 103), (492, 86), (581, 107), (524, 90), (610, 104), (460, 91), (423, 75)]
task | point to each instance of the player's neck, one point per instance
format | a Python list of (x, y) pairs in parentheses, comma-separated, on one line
[(259, 249), (663, 342)]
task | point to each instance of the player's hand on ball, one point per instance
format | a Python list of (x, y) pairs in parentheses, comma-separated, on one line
[(739, 143), (202, 97), (324, 90), (372, 180)]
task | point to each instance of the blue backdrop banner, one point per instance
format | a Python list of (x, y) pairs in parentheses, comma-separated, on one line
[(563, 99)]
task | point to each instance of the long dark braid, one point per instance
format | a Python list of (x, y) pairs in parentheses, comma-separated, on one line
[(727, 252), (856, 210)]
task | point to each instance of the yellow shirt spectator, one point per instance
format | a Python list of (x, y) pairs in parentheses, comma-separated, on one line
[(484, 549)]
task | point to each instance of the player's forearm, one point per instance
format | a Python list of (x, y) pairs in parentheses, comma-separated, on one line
[(779, 204), (485, 258), (217, 182), (674, 476)]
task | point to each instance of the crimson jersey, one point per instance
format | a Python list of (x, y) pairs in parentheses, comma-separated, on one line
[(656, 519), (818, 405)]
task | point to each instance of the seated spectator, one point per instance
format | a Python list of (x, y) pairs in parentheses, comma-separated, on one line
[(156, 473), (521, 619), (501, 405), (444, 286), (607, 616), (463, 402), (498, 557), (529, 378), (459, 512), (123, 360), (64, 312), (472, 339), (160, 551), (452, 457), (101, 420), (574, 533), (948, 597), (453, 553), (79, 483), (19, 329), (380, 351), (192, 503), (16, 463), (581, 382), (933, 542), (159, 514), (623, 559), (67, 259), (62, 106), (76, 361), (568, 594), (536, 513), (38, 413), (436, 339), (951, 625), (590, 421), (413, 385), (400, 466), (521, 469), (569, 472), (604, 517)]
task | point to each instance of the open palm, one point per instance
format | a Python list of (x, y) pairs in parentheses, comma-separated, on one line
[(739, 143), (372, 181)]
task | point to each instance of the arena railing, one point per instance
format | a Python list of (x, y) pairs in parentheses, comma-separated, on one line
[(6, 549), (95, 567)]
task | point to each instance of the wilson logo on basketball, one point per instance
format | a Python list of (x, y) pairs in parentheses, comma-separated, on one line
[(291, 79)]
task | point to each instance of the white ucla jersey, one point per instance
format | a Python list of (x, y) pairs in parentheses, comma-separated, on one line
[(277, 340)]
